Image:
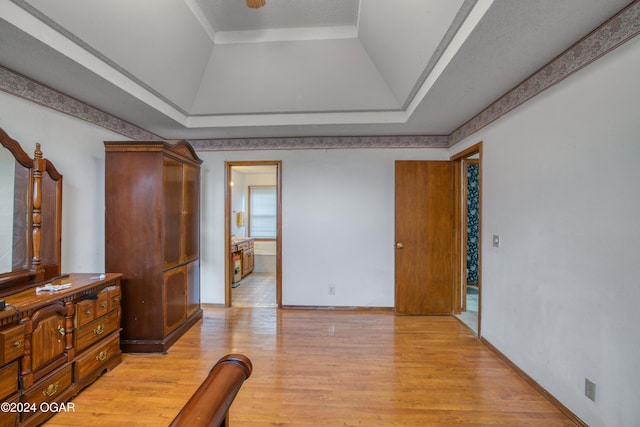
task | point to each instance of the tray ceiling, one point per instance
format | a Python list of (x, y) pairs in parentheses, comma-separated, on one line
[(217, 69)]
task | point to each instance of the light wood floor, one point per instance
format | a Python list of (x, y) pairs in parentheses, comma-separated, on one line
[(323, 368)]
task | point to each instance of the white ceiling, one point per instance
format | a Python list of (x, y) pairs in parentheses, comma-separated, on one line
[(217, 69), (233, 15)]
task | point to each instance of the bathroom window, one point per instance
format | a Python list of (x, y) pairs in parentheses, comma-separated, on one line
[(262, 212)]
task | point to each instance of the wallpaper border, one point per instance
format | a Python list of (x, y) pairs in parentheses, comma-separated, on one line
[(325, 142), (31, 90), (619, 29)]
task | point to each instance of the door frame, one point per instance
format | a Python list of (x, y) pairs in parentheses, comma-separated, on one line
[(227, 225), (460, 226)]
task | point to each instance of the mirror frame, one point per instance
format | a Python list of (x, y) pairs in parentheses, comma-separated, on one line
[(52, 240), (50, 191)]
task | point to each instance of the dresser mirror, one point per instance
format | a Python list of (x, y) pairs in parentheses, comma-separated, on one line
[(30, 217), (7, 227)]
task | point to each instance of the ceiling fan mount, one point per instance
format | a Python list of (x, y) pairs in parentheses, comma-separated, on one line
[(254, 4)]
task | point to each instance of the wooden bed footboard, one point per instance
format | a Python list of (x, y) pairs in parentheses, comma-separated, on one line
[(209, 405)]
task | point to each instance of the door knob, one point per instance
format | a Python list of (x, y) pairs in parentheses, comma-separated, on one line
[(399, 245)]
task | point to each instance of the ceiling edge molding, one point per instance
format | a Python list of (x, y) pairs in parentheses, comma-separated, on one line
[(23, 87), (286, 34), (616, 31), (94, 53), (321, 143), (201, 17), (456, 24), (472, 19)]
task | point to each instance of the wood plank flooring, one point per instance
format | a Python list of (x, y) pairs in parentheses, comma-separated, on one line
[(323, 368)]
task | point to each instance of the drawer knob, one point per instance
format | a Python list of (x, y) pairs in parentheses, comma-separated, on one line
[(99, 330), (88, 312), (102, 356), (61, 330), (17, 344), (103, 305), (51, 390)]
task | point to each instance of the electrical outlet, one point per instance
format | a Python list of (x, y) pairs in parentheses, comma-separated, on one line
[(332, 289), (590, 389)]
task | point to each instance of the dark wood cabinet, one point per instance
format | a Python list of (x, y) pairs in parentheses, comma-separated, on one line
[(152, 226)]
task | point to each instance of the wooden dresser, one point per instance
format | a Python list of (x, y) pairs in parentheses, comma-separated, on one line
[(53, 342), (153, 237)]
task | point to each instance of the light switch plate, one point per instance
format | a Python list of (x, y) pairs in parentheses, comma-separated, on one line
[(496, 241), (590, 389)]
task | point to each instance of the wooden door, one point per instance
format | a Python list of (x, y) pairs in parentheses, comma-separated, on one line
[(424, 229)]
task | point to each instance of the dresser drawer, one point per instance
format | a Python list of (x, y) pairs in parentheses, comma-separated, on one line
[(9, 379), (9, 419), (85, 312), (95, 359), (102, 303), (243, 246), (51, 389), (106, 300), (114, 296), (11, 343), (94, 331)]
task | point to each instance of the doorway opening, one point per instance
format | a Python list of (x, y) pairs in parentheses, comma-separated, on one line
[(253, 234), (468, 170)]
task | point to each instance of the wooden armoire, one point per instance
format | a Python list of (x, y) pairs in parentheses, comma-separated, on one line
[(152, 230)]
